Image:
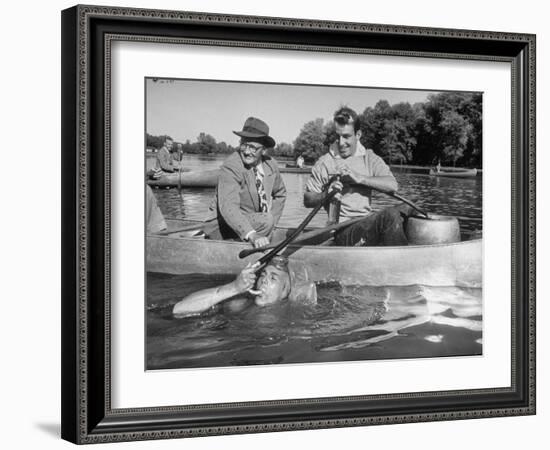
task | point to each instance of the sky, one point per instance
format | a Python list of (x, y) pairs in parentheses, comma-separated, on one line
[(185, 108)]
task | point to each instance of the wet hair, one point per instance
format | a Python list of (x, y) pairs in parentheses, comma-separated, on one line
[(345, 116), (281, 262)]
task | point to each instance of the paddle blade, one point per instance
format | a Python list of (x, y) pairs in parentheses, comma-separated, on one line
[(250, 251)]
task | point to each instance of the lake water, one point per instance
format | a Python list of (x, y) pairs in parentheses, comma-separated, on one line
[(457, 197), (348, 322)]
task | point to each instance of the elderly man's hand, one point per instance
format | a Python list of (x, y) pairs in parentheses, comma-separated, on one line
[(258, 241)]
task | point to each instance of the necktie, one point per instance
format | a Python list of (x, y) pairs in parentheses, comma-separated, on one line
[(260, 188)]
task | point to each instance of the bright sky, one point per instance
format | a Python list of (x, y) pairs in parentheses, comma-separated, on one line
[(185, 108)]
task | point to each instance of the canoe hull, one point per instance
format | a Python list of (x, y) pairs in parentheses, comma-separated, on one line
[(295, 169), (457, 173), (203, 178), (457, 264)]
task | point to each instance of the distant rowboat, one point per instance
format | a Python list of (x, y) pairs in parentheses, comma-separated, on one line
[(454, 173), (458, 264), (203, 178), (306, 169)]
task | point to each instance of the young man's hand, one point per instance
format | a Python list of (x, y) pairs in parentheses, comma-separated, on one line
[(336, 185), (350, 176), (247, 278)]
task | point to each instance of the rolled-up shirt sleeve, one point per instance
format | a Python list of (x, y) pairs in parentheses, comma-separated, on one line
[(379, 167), (318, 179)]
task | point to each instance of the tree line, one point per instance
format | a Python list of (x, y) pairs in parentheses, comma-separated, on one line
[(445, 128), (207, 144)]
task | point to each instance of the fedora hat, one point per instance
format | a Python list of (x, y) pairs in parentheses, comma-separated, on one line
[(256, 130)]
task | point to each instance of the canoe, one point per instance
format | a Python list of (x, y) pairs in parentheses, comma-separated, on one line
[(458, 264), (203, 178), (454, 173)]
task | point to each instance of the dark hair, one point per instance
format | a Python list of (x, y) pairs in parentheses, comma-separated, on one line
[(168, 138), (345, 115)]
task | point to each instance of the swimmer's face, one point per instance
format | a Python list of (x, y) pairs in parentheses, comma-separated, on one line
[(273, 284)]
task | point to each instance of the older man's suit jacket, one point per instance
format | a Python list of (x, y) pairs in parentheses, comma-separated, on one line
[(237, 196)]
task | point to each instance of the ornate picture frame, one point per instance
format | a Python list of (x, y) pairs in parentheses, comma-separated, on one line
[(88, 33)]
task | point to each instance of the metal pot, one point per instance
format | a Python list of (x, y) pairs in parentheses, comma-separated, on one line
[(433, 230)]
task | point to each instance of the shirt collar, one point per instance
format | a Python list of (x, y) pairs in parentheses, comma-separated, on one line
[(260, 168)]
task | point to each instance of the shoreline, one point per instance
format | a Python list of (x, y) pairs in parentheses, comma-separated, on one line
[(410, 167)]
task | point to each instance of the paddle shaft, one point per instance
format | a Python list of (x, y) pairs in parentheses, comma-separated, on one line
[(396, 196), (404, 200), (304, 237), (267, 257)]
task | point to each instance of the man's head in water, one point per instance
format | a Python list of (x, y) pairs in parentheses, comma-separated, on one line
[(273, 283)]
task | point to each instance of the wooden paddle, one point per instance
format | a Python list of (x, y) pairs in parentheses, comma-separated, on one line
[(404, 200), (268, 256), (304, 237), (179, 179), (400, 198)]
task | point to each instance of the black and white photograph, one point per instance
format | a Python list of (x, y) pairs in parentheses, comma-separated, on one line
[(275, 225), (297, 223)]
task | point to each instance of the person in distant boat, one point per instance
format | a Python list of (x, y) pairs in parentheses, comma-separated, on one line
[(153, 216), (300, 162), (165, 157), (250, 194), (438, 167), (275, 283), (359, 170)]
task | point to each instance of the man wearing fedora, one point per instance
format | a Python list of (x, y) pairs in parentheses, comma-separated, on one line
[(250, 194)]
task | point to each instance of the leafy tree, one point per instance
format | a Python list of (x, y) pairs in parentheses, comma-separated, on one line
[(155, 141), (455, 133), (283, 149), (206, 143), (310, 143), (451, 129), (329, 135)]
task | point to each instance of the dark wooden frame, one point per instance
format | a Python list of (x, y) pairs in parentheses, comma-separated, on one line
[(87, 33)]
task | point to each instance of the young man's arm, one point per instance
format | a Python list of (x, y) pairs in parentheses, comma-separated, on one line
[(382, 178), (205, 299), (386, 183)]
